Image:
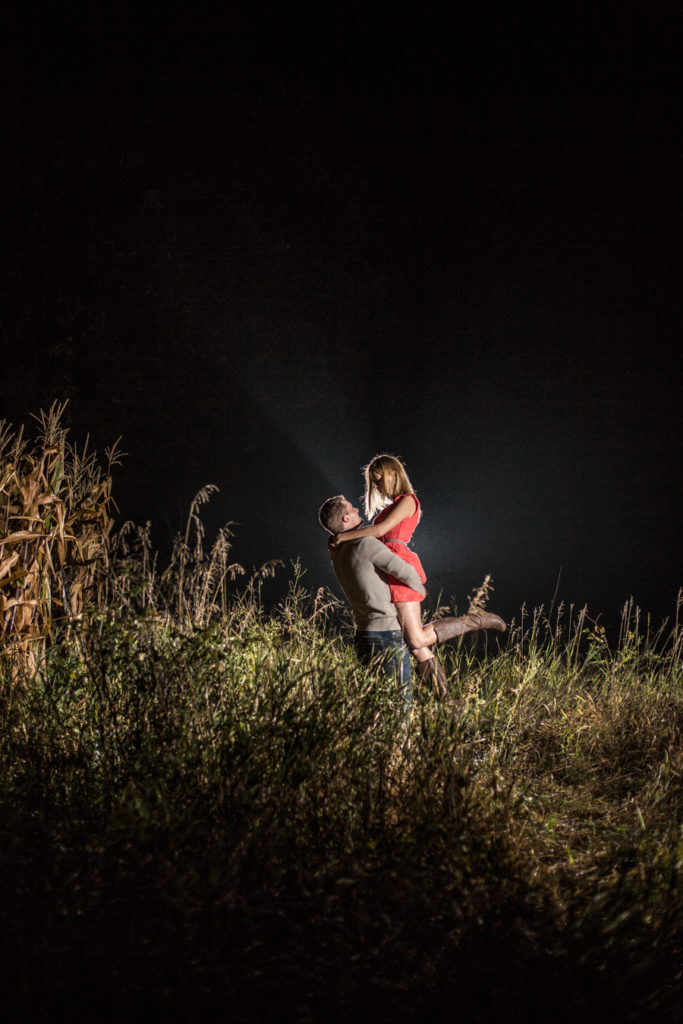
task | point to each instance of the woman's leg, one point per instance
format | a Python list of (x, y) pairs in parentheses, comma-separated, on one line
[(418, 637)]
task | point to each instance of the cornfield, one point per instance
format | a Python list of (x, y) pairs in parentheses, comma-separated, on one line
[(55, 526)]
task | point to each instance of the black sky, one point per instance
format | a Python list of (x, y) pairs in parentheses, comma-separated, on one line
[(265, 243)]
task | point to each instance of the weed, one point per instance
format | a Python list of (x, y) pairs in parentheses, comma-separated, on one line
[(211, 811)]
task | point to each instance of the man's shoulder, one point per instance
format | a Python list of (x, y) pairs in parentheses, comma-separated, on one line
[(363, 547), (369, 550), (361, 542), (367, 543)]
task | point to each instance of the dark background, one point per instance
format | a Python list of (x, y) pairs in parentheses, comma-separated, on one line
[(264, 244)]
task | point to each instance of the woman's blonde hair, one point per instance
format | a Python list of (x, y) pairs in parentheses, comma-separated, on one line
[(394, 482)]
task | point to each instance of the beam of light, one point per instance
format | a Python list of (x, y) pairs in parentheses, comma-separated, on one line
[(321, 408), (317, 410)]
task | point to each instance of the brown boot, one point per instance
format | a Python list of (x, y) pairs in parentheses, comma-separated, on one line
[(446, 629), (487, 620), (431, 672)]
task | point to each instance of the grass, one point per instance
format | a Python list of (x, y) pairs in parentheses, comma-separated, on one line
[(210, 812)]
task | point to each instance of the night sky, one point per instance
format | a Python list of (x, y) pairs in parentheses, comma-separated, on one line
[(264, 244)]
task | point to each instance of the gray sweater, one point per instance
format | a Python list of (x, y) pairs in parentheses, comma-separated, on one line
[(360, 566)]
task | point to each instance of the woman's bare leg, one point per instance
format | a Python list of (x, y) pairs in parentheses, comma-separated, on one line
[(421, 638), (418, 637)]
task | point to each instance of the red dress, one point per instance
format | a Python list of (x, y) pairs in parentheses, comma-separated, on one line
[(396, 540)]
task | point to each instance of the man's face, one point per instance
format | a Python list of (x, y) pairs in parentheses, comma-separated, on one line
[(350, 517)]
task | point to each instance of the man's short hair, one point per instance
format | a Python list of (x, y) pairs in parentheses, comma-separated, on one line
[(331, 512)]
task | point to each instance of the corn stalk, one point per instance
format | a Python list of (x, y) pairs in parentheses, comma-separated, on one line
[(55, 504)]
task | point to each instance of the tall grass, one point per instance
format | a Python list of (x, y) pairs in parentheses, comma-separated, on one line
[(214, 812), (233, 818)]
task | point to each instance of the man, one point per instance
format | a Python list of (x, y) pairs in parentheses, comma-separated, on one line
[(359, 566)]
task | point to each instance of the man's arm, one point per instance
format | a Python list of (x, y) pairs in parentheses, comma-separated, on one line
[(388, 561)]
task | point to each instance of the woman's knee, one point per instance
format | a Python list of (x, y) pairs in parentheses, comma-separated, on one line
[(414, 636)]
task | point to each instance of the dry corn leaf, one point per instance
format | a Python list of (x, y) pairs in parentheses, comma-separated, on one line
[(22, 535), (17, 602), (7, 564)]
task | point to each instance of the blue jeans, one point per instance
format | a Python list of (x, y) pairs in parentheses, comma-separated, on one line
[(389, 647)]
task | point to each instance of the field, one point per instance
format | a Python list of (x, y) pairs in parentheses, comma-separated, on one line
[(213, 812), (210, 811)]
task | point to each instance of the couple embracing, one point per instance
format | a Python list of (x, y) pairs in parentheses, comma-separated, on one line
[(383, 579)]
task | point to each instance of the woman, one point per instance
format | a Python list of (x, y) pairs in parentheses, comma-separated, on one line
[(390, 498)]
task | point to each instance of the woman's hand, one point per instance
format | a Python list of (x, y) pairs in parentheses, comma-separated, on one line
[(333, 544)]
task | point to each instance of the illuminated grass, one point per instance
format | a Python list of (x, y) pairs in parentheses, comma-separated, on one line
[(223, 814)]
